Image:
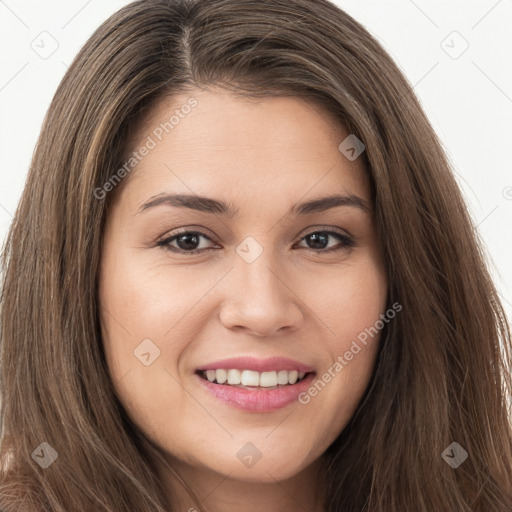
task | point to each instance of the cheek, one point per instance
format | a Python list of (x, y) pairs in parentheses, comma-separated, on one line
[(352, 310), (140, 308), (152, 302), (351, 300)]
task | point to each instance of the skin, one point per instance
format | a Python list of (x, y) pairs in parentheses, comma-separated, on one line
[(295, 300)]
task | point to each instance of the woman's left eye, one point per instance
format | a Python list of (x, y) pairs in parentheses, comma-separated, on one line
[(188, 242)]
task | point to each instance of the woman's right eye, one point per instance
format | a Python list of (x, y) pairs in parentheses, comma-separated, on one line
[(184, 240)]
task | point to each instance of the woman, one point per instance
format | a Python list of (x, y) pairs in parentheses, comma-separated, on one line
[(242, 276)]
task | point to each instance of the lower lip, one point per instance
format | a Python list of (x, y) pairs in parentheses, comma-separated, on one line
[(257, 399)]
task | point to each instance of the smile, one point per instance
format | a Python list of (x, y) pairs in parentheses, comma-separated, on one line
[(253, 384), (250, 378)]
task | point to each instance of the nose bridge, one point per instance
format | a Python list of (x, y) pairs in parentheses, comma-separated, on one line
[(260, 299), (257, 267)]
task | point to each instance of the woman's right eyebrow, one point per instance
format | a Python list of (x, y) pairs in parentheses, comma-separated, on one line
[(219, 207)]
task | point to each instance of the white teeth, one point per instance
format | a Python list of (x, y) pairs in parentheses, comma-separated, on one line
[(221, 376), (255, 379), (282, 377), (250, 378), (234, 376), (268, 379)]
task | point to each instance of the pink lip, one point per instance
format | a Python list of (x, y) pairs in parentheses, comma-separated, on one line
[(258, 365), (257, 399)]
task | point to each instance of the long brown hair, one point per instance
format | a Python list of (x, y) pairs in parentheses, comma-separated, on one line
[(443, 370)]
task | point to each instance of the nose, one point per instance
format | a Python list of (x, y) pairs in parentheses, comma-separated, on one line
[(259, 298)]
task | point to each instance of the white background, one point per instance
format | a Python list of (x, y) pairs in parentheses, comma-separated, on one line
[(468, 99)]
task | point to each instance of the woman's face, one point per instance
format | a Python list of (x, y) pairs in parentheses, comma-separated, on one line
[(260, 293)]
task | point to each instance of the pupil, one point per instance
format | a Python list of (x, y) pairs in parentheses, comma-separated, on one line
[(316, 237), (187, 239)]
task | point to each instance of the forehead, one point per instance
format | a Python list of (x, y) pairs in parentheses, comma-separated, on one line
[(229, 147)]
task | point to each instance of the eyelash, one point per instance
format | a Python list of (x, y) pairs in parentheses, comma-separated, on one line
[(347, 242)]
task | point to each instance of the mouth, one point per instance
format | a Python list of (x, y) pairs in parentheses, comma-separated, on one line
[(250, 379), (255, 385)]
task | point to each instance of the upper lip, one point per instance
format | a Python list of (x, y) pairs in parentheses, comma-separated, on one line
[(257, 365)]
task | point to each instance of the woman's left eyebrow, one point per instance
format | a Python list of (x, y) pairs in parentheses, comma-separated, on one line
[(219, 207)]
